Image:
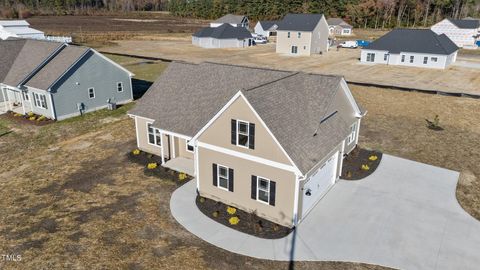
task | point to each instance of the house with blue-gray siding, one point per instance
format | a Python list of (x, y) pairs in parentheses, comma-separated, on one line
[(58, 80)]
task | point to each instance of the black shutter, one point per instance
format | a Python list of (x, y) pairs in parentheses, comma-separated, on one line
[(272, 193), (254, 187), (234, 132), (251, 136), (214, 173), (230, 180)]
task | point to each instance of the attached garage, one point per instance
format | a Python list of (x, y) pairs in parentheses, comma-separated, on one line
[(319, 183)]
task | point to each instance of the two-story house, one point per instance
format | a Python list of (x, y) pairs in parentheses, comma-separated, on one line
[(302, 34), (266, 141), (464, 33)]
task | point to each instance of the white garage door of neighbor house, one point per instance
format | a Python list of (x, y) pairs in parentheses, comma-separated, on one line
[(319, 184)]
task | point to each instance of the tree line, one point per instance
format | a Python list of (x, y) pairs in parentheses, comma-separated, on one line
[(360, 13)]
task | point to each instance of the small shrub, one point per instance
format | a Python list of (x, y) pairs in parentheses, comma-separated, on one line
[(215, 214), (365, 167), (32, 118), (136, 152), (202, 199), (17, 114), (30, 114), (231, 210), (373, 158), (41, 118), (182, 176), (233, 220), (152, 166)]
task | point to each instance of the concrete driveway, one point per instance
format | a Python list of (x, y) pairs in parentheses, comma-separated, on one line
[(405, 215)]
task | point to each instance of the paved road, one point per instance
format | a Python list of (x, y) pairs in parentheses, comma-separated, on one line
[(405, 215)]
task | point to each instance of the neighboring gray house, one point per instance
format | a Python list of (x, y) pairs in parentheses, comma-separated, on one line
[(266, 28), (233, 20), (464, 33), (302, 34), (58, 80), (223, 36), (411, 47), (265, 141), (339, 27)]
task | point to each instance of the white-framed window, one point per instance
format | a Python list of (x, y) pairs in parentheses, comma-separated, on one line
[(263, 190), (370, 57), (25, 96), (222, 177), (294, 49), (425, 60), (434, 59), (353, 133), (299, 34), (412, 58), (119, 86), (243, 132), (403, 58), (189, 147), (154, 135), (40, 101), (91, 93), (288, 35)]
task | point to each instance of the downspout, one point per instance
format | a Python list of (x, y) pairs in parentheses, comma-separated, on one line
[(54, 116)]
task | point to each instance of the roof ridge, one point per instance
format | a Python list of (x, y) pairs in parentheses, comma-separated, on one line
[(436, 36), (246, 66), (270, 82)]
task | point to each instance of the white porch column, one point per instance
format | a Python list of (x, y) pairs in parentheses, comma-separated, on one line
[(161, 148), (23, 101), (4, 99), (358, 130)]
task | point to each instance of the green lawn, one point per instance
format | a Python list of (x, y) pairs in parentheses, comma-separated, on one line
[(147, 70)]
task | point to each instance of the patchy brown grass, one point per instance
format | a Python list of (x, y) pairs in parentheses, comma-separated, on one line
[(395, 124)]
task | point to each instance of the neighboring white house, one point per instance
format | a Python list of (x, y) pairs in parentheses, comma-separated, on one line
[(19, 29), (223, 36), (339, 27), (266, 28), (464, 33), (302, 34), (233, 20), (411, 47)]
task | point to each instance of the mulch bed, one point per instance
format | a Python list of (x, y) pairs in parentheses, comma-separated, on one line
[(249, 223), (358, 158), (144, 159), (23, 119)]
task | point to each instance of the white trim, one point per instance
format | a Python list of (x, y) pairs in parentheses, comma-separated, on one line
[(91, 88), (268, 180), (187, 145), (174, 134), (154, 135), (350, 97), (238, 133), (341, 159), (161, 148), (248, 157), (358, 130), (3, 95), (172, 145), (136, 132), (148, 119), (197, 169), (224, 108), (295, 201), (112, 62), (52, 109), (218, 177)]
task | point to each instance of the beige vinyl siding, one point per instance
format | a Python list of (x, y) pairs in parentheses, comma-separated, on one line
[(219, 133), (284, 44), (347, 112), (320, 37), (141, 125), (181, 149), (281, 213)]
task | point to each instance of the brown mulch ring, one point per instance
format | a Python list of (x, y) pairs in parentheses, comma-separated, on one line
[(36, 120), (152, 167), (360, 163), (248, 223)]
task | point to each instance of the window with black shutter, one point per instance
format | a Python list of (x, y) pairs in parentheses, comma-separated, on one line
[(234, 132), (254, 187), (214, 173), (230, 179), (263, 190), (251, 136), (222, 177)]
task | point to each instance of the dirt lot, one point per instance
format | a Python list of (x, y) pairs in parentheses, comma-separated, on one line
[(344, 62)]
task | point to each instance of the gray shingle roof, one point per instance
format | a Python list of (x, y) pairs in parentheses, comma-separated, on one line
[(9, 50), (466, 23), (56, 67), (266, 25), (299, 22), (338, 21), (186, 96), (414, 40), (231, 18), (224, 31), (33, 53)]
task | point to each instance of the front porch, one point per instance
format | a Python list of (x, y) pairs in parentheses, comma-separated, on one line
[(181, 164), (14, 100)]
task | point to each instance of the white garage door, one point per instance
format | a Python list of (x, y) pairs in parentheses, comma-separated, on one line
[(318, 184)]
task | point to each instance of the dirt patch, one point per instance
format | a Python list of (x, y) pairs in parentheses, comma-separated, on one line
[(35, 120), (360, 163), (249, 223), (77, 236)]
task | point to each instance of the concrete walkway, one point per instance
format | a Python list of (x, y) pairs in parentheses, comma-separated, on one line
[(405, 215)]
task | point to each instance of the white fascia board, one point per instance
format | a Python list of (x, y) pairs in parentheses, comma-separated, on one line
[(350, 97), (112, 62)]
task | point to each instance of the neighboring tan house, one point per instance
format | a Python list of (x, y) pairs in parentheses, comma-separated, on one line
[(233, 20), (223, 36), (19, 29), (339, 27), (266, 28), (58, 80), (411, 47), (464, 33), (302, 34), (265, 141)]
